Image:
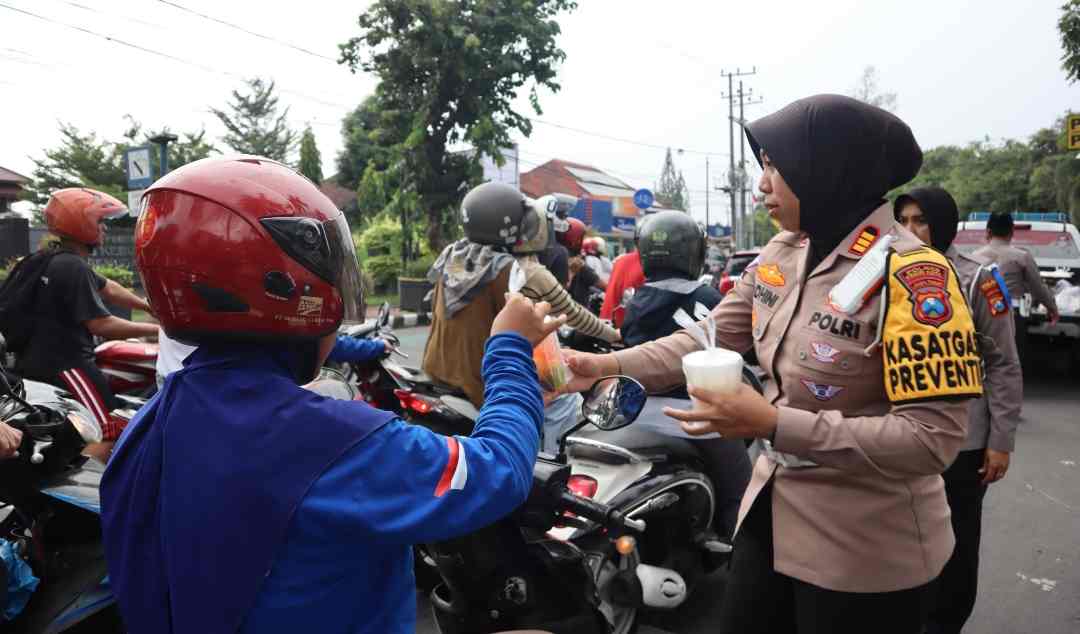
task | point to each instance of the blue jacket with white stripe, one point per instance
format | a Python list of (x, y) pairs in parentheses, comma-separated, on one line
[(293, 512)]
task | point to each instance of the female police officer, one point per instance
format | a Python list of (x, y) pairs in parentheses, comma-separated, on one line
[(931, 214), (844, 530)]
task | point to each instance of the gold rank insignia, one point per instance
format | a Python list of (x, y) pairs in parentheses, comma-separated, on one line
[(929, 347), (866, 239)]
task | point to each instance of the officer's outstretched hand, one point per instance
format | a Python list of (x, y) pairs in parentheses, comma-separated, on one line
[(520, 315), (744, 414)]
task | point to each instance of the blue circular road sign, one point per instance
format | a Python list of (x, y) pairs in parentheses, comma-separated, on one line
[(643, 199)]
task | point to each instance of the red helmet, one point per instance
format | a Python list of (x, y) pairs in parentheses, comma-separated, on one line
[(573, 236), (76, 213), (245, 247)]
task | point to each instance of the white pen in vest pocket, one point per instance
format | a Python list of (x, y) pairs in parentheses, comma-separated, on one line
[(862, 281)]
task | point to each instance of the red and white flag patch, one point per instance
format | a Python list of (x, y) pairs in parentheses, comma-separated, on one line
[(456, 473)]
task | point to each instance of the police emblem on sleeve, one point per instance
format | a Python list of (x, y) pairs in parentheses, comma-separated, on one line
[(995, 297), (929, 347), (926, 282)]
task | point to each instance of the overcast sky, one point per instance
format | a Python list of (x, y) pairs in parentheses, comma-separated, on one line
[(648, 72)]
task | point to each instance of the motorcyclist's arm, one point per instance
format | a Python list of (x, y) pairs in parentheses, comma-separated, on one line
[(117, 295), (112, 327), (405, 484), (353, 350), (541, 286)]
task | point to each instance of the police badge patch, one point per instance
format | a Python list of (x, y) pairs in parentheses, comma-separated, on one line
[(925, 283), (995, 298), (821, 391), (823, 352)]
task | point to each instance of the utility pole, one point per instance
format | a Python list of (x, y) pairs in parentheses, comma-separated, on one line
[(706, 194), (736, 225), (747, 221)]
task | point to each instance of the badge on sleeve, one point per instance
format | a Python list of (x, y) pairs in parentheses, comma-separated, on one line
[(995, 298), (929, 347), (771, 275)]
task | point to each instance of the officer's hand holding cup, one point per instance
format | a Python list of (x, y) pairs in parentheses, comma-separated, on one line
[(723, 404)]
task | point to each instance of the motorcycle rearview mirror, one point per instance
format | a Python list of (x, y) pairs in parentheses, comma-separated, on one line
[(613, 402), (384, 315)]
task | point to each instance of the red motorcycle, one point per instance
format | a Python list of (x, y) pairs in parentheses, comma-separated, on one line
[(130, 366)]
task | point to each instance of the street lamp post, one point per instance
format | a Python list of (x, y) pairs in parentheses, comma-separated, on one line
[(163, 140)]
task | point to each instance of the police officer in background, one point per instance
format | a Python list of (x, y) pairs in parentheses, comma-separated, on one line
[(1021, 275), (931, 214)]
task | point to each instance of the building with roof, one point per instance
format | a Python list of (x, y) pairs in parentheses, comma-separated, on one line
[(605, 202), (12, 185)]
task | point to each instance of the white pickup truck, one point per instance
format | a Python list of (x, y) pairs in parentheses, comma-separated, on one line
[(1055, 244)]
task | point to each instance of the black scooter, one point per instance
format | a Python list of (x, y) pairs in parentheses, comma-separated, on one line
[(50, 508), (515, 574)]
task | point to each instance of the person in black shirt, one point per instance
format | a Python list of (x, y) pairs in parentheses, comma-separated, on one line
[(69, 311)]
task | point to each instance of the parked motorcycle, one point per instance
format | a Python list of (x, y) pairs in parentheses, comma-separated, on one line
[(688, 490), (51, 508), (518, 574), (407, 391), (130, 367)]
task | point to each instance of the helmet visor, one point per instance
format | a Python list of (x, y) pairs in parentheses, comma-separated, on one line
[(349, 282), (327, 250)]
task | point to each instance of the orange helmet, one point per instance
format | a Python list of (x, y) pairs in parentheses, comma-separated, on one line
[(243, 247), (76, 213)]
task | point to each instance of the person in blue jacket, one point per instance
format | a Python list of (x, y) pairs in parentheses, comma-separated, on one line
[(171, 353), (238, 501)]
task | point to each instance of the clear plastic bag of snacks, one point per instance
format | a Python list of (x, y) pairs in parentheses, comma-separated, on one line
[(554, 373)]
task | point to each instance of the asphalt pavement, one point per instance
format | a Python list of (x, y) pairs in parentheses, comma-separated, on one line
[(1030, 569)]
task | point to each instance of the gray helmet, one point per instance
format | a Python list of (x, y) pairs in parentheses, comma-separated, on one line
[(497, 214), (672, 242)]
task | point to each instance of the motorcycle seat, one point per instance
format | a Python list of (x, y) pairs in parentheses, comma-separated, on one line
[(645, 443)]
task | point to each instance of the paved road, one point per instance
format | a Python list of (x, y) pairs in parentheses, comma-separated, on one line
[(1030, 576)]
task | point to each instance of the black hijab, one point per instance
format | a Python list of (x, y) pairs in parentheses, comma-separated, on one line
[(940, 211), (839, 156)]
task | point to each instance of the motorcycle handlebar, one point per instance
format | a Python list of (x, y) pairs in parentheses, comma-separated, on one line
[(599, 513)]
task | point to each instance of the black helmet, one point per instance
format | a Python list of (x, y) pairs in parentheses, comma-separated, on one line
[(639, 226), (672, 242), (498, 214)]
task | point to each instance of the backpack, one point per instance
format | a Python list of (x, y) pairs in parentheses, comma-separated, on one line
[(18, 296)]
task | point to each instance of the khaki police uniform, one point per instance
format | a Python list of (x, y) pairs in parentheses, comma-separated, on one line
[(871, 515), (996, 414), (1021, 276), (1020, 271), (993, 422)]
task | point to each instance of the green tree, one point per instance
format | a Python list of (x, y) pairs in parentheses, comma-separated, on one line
[(1069, 29), (253, 125), (310, 159), (368, 136), (671, 191), (85, 160), (452, 71)]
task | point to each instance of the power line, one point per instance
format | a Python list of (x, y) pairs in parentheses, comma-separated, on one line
[(625, 140), (167, 56), (249, 32), (108, 13)]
